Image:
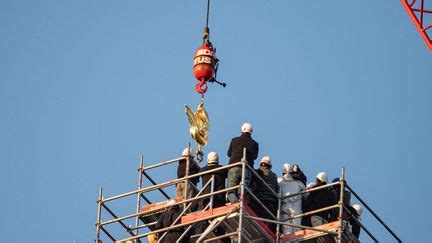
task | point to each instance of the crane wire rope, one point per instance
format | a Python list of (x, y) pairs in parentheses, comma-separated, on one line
[(206, 36)]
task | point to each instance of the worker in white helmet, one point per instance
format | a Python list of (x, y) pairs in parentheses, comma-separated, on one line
[(181, 172), (290, 206), (355, 218), (319, 199), (167, 218), (218, 184), (265, 194), (235, 153)]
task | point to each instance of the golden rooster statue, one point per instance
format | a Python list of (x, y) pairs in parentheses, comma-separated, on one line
[(199, 124)]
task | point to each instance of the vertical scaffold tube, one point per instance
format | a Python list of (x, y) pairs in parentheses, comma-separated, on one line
[(340, 218), (242, 196), (211, 191), (138, 207), (278, 215), (186, 182), (99, 215)]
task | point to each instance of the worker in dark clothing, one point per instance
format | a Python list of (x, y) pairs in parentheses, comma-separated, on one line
[(319, 199), (298, 174), (355, 213), (346, 194), (166, 219), (346, 200), (181, 172), (218, 184), (263, 193), (235, 152)]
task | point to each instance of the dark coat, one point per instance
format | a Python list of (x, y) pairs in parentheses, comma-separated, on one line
[(235, 150), (165, 220), (319, 199), (193, 169), (299, 176), (346, 195), (219, 183), (260, 190)]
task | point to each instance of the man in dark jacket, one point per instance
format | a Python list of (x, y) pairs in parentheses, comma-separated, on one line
[(218, 184), (181, 172), (235, 152), (263, 193), (166, 219), (319, 199)]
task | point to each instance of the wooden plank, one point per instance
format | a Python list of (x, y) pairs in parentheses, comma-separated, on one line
[(332, 226), (202, 214), (158, 205)]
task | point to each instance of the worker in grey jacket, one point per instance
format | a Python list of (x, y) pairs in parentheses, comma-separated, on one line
[(292, 205)]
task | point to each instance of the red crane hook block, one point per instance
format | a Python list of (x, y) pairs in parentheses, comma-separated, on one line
[(201, 86), (204, 67)]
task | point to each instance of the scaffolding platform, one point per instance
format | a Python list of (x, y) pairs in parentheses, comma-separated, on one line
[(253, 230), (308, 234), (238, 221)]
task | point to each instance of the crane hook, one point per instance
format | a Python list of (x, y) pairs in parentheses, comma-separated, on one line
[(201, 87)]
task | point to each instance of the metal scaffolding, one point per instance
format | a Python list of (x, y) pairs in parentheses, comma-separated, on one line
[(238, 220)]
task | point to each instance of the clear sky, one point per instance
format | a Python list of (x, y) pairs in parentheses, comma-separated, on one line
[(86, 87)]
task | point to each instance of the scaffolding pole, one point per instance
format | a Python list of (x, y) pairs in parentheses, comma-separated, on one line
[(138, 206), (98, 225), (278, 215), (340, 203), (242, 196)]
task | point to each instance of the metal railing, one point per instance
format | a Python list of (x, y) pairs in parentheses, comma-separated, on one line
[(185, 203)]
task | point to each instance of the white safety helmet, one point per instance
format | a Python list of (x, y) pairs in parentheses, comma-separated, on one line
[(286, 168), (266, 160), (212, 158), (246, 127), (186, 152), (322, 176), (358, 208), (171, 202)]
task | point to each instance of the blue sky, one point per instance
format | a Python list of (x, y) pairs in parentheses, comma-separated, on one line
[(86, 87)]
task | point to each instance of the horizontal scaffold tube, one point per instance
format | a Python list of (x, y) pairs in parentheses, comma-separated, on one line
[(175, 226), (314, 212), (169, 183), (311, 190), (177, 203), (291, 225), (221, 236), (162, 163)]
